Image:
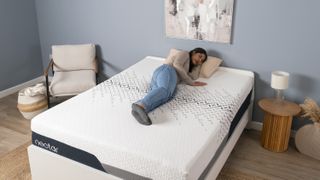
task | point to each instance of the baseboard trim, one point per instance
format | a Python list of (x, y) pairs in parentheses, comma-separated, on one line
[(258, 126), (18, 87)]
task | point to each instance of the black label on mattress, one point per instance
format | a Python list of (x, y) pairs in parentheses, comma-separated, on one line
[(46, 145), (66, 151)]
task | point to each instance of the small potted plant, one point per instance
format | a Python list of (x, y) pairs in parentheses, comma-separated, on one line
[(307, 138)]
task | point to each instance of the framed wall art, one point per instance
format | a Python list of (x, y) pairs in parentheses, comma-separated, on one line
[(209, 20)]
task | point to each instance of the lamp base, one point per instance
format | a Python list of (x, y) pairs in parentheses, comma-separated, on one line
[(279, 95)]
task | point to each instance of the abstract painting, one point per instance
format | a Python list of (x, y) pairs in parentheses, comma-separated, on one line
[(208, 20)]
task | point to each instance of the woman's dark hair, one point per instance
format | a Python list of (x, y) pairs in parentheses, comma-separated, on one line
[(196, 50)]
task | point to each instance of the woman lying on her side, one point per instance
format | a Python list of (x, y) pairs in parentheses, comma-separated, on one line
[(184, 66)]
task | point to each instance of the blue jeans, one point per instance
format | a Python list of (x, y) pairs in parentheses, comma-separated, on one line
[(162, 88)]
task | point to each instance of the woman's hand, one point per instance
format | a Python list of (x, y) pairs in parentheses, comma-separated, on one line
[(198, 83)]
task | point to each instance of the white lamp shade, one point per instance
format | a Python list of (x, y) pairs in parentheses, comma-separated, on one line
[(279, 80)]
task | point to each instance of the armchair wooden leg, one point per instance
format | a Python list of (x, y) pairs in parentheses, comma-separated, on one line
[(48, 93), (48, 100)]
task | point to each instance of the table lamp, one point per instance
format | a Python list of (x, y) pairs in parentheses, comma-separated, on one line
[(279, 82)]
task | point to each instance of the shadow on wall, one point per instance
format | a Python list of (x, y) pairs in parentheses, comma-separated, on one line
[(233, 21), (300, 86), (214, 53), (262, 90), (105, 67)]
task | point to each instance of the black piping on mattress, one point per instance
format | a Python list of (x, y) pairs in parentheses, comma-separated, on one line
[(233, 125), (90, 160), (66, 151), (240, 113), (81, 156)]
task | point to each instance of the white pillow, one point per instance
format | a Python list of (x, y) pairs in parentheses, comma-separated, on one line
[(209, 66)]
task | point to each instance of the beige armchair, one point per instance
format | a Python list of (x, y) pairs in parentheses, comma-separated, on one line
[(74, 69)]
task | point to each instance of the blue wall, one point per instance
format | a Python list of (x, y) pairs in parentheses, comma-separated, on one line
[(267, 35), (20, 53)]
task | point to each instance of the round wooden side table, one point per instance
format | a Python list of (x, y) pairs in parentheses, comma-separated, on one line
[(277, 123)]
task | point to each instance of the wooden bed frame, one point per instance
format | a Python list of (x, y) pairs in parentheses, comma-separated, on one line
[(50, 166)]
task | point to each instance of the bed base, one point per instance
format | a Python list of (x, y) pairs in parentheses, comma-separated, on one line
[(50, 166)]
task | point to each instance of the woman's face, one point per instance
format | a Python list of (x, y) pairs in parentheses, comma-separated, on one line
[(198, 58)]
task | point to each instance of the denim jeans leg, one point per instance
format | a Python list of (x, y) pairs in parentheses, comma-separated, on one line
[(163, 87), (153, 84)]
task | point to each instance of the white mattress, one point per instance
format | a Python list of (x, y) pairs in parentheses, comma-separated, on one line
[(183, 138)]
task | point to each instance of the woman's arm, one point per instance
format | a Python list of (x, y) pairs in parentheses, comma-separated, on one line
[(198, 83), (194, 74), (178, 64)]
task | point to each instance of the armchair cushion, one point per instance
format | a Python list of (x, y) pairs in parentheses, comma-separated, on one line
[(70, 83), (73, 57)]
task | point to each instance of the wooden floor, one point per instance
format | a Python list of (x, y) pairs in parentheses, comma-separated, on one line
[(14, 129), (247, 161)]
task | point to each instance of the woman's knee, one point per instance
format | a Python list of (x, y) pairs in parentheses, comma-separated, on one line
[(166, 92)]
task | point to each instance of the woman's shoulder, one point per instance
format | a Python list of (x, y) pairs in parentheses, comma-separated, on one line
[(177, 55), (182, 56)]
